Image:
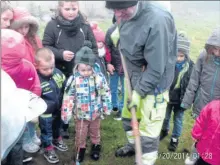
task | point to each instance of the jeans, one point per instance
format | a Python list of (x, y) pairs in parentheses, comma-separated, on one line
[(28, 133), (50, 129), (114, 79), (177, 118)]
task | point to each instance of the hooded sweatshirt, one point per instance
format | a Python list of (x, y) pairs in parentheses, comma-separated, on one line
[(12, 61), (22, 16), (204, 85)]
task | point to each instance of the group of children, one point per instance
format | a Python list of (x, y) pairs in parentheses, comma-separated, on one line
[(69, 71)]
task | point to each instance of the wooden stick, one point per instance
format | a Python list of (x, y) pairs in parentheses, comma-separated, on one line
[(134, 122)]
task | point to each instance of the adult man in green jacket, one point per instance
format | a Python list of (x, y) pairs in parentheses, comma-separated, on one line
[(148, 38)]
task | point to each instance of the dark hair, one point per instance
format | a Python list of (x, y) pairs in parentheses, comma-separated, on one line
[(31, 37), (209, 51)]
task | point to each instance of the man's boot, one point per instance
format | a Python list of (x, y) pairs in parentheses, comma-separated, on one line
[(127, 150)]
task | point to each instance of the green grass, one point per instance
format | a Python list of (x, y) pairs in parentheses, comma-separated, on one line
[(112, 133)]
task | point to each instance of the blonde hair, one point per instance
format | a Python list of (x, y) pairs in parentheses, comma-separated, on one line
[(5, 5), (43, 54)]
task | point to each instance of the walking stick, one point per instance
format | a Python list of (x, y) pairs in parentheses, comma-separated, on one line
[(134, 122)]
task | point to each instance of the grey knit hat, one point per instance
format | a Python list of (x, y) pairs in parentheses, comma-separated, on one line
[(183, 43), (85, 56), (214, 39), (120, 4)]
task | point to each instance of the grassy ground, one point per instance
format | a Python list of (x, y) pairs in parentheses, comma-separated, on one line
[(112, 133)]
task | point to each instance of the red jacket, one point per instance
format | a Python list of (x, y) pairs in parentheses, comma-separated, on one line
[(207, 132), (21, 71)]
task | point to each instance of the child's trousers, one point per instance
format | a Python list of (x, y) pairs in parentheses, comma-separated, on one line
[(91, 128), (50, 128)]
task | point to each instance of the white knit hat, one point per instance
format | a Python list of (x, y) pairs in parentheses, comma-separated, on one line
[(214, 38)]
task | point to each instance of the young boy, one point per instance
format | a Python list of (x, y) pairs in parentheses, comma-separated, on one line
[(52, 84), (87, 95), (181, 78)]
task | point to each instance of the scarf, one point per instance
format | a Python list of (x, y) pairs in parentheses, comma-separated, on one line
[(102, 51), (185, 67), (70, 27), (180, 65)]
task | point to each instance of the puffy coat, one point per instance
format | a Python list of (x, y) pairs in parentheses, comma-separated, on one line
[(21, 17), (57, 40), (21, 71), (206, 131)]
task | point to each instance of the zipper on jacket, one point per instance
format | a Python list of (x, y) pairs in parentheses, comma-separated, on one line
[(59, 36), (214, 82), (90, 101)]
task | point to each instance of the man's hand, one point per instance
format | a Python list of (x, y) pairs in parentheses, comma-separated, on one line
[(68, 55), (135, 100), (110, 68)]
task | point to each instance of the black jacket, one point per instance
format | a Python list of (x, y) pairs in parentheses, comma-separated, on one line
[(176, 95), (52, 90), (57, 40), (115, 55)]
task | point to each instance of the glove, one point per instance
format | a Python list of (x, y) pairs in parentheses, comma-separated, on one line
[(182, 107), (135, 100)]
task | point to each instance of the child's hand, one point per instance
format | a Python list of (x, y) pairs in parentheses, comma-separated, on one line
[(111, 69), (195, 140)]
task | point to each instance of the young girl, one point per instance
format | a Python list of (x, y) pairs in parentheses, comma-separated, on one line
[(24, 75), (86, 94), (204, 84), (206, 133), (6, 14), (65, 35), (103, 51), (27, 25)]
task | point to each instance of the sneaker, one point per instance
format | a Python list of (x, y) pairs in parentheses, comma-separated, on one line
[(188, 161), (30, 147), (65, 134), (173, 144), (51, 156), (126, 150), (36, 140), (95, 151), (163, 134), (60, 145), (118, 116)]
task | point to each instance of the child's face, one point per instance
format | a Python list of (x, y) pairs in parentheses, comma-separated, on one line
[(216, 51), (24, 29), (6, 18), (85, 70), (69, 10), (100, 45), (180, 57), (45, 68)]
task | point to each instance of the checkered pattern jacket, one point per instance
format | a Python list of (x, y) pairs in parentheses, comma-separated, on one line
[(86, 98)]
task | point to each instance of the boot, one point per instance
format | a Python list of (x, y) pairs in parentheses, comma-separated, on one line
[(126, 150), (95, 151), (173, 144), (163, 134), (81, 154)]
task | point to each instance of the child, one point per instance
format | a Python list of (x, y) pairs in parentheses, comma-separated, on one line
[(204, 84), (6, 14), (206, 132), (102, 49), (24, 75), (88, 96), (115, 68), (27, 25), (52, 84), (65, 35), (182, 74)]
